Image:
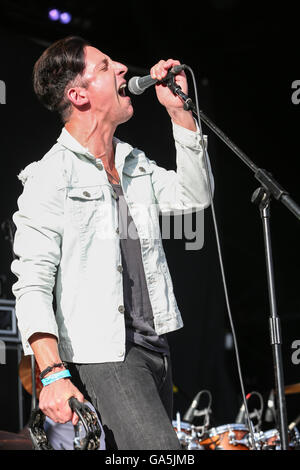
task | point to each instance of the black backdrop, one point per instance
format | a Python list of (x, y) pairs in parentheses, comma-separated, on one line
[(245, 62)]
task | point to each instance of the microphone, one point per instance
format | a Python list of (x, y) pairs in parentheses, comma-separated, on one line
[(242, 411), (189, 415), (137, 85), (241, 415), (294, 423), (270, 412)]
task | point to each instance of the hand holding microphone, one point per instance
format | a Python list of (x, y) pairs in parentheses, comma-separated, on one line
[(159, 74), (137, 85)]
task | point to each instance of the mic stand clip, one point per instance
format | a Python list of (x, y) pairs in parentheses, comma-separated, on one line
[(188, 104)]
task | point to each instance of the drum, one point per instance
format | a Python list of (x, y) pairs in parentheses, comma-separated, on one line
[(187, 436), (271, 440), (227, 437)]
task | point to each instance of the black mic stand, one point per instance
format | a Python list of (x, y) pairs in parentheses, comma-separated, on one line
[(262, 197)]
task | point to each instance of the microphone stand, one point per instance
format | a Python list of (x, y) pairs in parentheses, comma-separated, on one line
[(33, 382), (262, 197)]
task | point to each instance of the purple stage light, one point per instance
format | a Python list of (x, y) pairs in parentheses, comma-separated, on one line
[(65, 17), (54, 14)]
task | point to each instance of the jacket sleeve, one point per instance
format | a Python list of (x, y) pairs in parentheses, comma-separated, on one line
[(186, 189), (37, 246)]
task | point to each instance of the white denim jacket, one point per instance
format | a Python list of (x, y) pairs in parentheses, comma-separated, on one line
[(67, 242)]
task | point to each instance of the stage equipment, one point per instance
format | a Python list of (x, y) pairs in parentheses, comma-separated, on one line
[(262, 197), (295, 388), (10, 356)]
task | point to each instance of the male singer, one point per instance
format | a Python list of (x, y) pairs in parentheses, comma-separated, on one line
[(94, 296)]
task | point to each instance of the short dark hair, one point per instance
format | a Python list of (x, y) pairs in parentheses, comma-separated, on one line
[(60, 65)]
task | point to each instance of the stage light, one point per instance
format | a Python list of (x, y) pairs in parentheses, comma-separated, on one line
[(54, 14), (65, 17)]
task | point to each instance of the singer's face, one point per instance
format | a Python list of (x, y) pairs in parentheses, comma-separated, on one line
[(105, 77)]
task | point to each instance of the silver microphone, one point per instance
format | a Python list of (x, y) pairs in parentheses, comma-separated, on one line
[(137, 85)]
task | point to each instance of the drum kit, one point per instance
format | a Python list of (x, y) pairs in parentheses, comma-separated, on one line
[(234, 436), (231, 437)]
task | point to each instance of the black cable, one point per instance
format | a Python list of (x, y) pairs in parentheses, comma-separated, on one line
[(206, 162)]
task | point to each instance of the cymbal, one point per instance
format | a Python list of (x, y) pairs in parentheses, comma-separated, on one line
[(294, 388), (25, 376)]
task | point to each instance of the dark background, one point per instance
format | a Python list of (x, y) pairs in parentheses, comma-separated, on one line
[(245, 58)]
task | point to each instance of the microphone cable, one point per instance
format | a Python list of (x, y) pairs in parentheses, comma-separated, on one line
[(206, 162)]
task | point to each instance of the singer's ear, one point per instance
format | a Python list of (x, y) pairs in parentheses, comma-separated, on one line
[(78, 96)]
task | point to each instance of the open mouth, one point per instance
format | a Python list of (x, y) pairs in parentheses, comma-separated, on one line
[(122, 89)]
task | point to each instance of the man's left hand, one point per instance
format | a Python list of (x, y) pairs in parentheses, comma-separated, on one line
[(172, 103)]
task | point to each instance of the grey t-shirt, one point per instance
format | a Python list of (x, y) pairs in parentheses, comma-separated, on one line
[(138, 311)]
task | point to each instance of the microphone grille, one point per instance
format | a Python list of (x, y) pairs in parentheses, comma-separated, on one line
[(133, 86)]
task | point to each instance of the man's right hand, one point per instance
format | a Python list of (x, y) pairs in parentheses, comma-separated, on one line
[(54, 401)]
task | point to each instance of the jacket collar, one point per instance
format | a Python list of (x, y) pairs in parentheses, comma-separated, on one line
[(122, 149)]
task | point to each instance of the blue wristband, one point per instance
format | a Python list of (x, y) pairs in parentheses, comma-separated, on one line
[(59, 375)]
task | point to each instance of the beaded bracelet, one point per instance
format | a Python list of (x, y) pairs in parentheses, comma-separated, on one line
[(59, 375), (50, 368)]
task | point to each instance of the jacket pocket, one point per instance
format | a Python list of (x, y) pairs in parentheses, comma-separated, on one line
[(138, 169), (85, 205), (137, 183)]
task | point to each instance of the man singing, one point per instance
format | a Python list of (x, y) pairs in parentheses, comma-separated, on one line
[(94, 296)]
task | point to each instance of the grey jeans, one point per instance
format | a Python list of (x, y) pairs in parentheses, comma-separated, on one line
[(133, 399)]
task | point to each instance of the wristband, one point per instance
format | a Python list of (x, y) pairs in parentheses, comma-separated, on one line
[(50, 368), (59, 375)]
